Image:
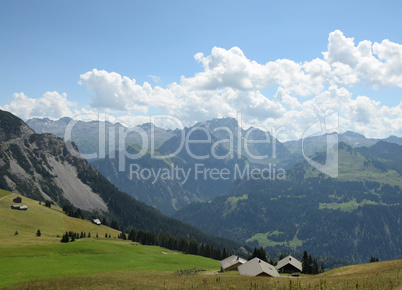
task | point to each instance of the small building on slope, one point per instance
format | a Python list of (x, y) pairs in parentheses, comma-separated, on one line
[(17, 199), (96, 222), (231, 263), (19, 207), (257, 267), (289, 265)]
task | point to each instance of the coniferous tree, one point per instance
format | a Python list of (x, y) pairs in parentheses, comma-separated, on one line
[(309, 264), (314, 268), (183, 245), (260, 254), (38, 233), (208, 251), (216, 254), (114, 225), (79, 214), (104, 222), (193, 247), (123, 236), (201, 250), (305, 263), (132, 235), (322, 270), (225, 254), (65, 238)]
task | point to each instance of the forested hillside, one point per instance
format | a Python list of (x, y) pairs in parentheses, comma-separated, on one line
[(332, 217)]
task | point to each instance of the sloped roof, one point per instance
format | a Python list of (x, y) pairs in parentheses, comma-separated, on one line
[(231, 261), (289, 260), (257, 267)]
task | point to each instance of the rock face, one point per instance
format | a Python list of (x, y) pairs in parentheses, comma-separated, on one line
[(42, 166)]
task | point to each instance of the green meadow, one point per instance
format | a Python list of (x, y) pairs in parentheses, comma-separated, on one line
[(86, 257), (349, 206), (264, 240), (25, 257)]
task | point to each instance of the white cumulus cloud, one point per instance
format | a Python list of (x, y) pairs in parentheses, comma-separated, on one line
[(230, 83), (51, 105), (380, 64)]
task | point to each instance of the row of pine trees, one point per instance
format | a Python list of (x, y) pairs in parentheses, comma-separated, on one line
[(310, 264), (177, 244)]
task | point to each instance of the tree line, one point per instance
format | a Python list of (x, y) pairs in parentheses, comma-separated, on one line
[(183, 245), (310, 264)]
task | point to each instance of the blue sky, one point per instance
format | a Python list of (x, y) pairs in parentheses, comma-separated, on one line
[(59, 56)]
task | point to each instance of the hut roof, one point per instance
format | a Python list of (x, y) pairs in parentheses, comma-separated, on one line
[(256, 267), (289, 260), (231, 262)]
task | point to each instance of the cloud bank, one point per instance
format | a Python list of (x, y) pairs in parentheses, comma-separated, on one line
[(230, 83)]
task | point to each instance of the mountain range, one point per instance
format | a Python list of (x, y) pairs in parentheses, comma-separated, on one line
[(98, 138), (252, 146), (44, 167), (292, 207)]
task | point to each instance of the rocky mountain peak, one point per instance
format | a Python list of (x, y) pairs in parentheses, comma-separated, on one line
[(12, 127)]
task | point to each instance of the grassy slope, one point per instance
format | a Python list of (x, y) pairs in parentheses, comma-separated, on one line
[(51, 222), (352, 168), (25, 257)]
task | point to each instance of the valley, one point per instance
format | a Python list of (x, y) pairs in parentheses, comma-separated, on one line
[(224, 204), (99, 262)]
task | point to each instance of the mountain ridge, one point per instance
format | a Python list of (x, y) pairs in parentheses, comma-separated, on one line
[(29, 164)]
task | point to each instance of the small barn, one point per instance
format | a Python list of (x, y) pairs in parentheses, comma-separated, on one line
[(289, 265), (17, 199), (231, 263), (96, 222), (19, 207), (257, 267)]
